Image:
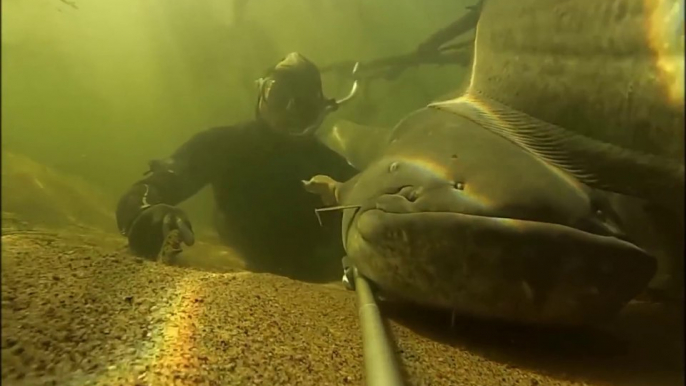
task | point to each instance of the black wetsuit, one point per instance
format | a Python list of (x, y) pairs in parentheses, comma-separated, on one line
[(263, 210)]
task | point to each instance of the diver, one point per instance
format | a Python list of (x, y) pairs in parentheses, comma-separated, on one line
[(256, 169), (468, 22)]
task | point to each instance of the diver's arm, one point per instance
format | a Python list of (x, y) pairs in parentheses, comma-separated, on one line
[(458, 27), (176, 178)]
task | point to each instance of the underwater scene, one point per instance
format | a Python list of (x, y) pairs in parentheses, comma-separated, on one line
[(326, 192)]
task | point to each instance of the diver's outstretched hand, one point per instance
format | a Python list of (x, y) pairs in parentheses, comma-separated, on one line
[(159, 229)]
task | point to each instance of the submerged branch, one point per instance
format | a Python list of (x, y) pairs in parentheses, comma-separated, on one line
[(390, 67), (70, 3)]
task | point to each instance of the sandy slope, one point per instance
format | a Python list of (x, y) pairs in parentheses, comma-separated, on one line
[(77, 309)]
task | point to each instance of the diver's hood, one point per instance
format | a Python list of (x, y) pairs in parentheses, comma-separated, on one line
[(295, 114)]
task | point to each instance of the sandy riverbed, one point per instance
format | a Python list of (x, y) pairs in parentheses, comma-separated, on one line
[(77, 309)]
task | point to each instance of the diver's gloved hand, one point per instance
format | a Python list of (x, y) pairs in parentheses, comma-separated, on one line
[(157, 226)]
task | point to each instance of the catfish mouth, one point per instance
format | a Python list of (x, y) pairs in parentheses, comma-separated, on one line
[(485, 265)]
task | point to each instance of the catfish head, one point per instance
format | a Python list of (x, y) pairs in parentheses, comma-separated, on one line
[(447, 214)]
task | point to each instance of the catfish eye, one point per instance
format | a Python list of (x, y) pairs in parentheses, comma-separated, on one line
[(393, 167)]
